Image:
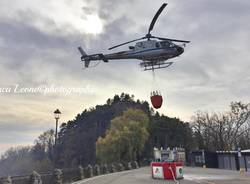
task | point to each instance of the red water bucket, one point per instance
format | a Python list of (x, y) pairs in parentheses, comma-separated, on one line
[(156, 101), (167, 170)]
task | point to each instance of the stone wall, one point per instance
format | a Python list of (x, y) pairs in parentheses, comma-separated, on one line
[(63, 176)]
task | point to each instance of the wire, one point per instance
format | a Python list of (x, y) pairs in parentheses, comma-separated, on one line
[(173, 175), (153, 72), (154, 85)]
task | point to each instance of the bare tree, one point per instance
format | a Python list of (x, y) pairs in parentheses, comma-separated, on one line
[(223, 131)]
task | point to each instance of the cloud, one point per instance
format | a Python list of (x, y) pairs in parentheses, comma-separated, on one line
[(18, 133)]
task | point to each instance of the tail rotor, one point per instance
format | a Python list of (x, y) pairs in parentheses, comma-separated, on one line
[(84, 57)]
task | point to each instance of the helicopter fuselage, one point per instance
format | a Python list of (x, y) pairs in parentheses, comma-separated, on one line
[(150, 50)]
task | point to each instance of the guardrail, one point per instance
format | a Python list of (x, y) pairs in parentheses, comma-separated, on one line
[(66, 176)]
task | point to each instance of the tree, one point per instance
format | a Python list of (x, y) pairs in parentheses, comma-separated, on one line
[(169, 132), (125, 139), (77, 138), (223, 131), (43, 147), (16, 161)]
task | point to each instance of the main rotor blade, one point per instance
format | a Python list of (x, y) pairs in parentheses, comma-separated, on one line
[(126, 43), (169, 39), (155, 17)]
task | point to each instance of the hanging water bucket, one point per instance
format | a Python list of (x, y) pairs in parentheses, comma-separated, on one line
[(156, 99)]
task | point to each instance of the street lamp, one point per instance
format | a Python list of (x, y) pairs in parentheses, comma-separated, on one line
[(57, 114)]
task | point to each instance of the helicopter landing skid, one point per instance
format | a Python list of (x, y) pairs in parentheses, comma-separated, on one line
[(153, 65)]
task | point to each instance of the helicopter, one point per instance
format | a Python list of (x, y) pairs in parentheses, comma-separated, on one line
[(154, 52)]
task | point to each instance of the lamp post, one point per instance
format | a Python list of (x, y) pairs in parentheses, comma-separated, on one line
[(57, 114)]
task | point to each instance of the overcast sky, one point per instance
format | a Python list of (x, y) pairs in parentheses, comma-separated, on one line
[(38, 47)]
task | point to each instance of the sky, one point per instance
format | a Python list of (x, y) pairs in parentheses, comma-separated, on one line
[(38, 50)]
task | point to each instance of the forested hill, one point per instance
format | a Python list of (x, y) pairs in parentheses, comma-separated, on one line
[(77, 138)]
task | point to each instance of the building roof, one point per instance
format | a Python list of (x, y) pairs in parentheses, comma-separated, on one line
[(245, 151), (242, 151)]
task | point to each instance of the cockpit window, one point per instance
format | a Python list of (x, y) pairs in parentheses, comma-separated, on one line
[(139, 44), (165, 44), (157, 45)]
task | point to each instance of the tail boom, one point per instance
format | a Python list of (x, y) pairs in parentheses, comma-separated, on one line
[(87, 58)]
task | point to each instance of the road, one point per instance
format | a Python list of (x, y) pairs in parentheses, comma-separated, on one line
[(191, 176)]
